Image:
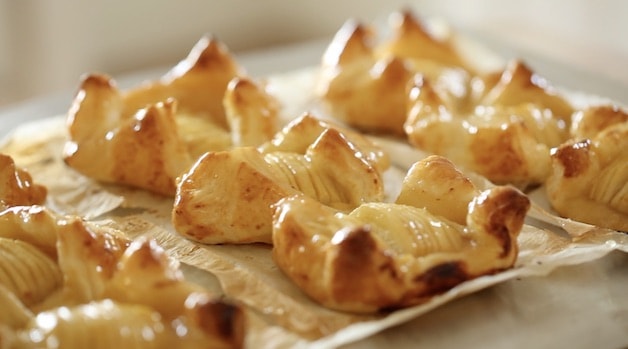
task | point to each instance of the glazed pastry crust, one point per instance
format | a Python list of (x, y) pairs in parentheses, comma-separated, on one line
[(364, 84), (384, 255)]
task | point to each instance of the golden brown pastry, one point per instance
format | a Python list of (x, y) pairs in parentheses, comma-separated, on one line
[(364, 84), (17, 186), (519, 85), (99, 324), (589, 122), (145, 275), (360, 90), (89, 260), (506, 137), (143, 151), (499, 124), (413, 41), (147, 136), (72, 283), (198, 83), (108, 323), (451, 196), (251, 113), (389, 255), (301, 132), (589, 179), (227, 196)]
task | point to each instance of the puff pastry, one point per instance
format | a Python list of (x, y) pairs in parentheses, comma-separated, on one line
[(364, 84), (301, 132), (226, 197), (147, 136), (251, 112), (388, 255), (589, 179), (68, 282), (106, 324), (506, 137), (436, 184), (415, 84)]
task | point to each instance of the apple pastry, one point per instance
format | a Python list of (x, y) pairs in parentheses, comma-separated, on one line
[(149, 135), (68, 284), (589, 178), (364, 84), (382, 256), (301, 132), (226, 197), (500, 124), (506, 136)]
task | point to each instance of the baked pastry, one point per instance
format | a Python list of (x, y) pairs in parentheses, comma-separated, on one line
[(17, 186), (499, 124), (383, 256), (589, 122), (72, 283), (251, 113), (506, 136), (589, 178), (413, 41), (361, 91), (449, 197), (149, 135), (364, 84), (226, 197), (303, 131)]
